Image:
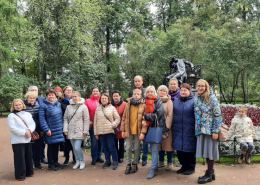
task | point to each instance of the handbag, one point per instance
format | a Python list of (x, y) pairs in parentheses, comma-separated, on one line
[(34, 134), (222, 134), (154, 134), (117, 129)]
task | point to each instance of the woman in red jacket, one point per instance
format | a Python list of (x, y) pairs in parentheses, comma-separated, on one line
[(119, 104), (92, 103)]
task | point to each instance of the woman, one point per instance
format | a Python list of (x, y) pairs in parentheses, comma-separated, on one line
[(76, 126), (50, 117), (183, 129), (167, 138), (92, 103), (21, 126), (59, 92), (119, 104), (208, 119), (154, 113), (106, 119), (33, 108), (67, 91)]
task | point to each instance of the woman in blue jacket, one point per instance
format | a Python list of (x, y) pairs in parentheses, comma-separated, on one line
[(183, 130), (50, 117)]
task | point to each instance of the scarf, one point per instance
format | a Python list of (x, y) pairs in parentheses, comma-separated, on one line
[(15, 111), (117, 103), (66, 100), (174, 94), (135, 102), (149, 106)]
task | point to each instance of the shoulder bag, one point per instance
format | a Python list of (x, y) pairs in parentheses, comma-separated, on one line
[(116, 129), (154, 134)]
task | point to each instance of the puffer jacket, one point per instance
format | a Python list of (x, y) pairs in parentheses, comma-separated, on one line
[(207, 115), (92, 104), (34, 111), (77, 125), (101, 124), (50, 117), (183, 128), (158, 112), (125, 123), (242, 128)]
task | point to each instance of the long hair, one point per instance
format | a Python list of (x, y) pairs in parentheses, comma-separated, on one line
[(205, 94)]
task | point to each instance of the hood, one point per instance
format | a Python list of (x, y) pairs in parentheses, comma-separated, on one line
[(81, 101)]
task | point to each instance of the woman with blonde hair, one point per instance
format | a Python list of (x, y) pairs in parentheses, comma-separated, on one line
[(21, 126), (207, 121)]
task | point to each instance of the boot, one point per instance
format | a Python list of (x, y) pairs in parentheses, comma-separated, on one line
[(213, 175), (150, 174), (106, 164), (128, 169), (206, 178), (76, 165), (144, 161), (247, 158), (161, 164), (240, 159), (82, 165), (134, 168)]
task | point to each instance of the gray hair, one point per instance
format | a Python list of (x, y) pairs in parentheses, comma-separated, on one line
[(162, 87), (33, 87), (150, 87)]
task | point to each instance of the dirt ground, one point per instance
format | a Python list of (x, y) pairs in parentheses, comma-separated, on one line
[(225, 175)]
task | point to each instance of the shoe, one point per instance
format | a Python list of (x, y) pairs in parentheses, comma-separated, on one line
[(178, 165), (169, 167), (128, 169), (144, 161), (20, 179), (189, 172), (66, 162), (58, 166), (247, 158), (213, 175), (30, 175), (44, 161), (115, 165), (161, 164), (120, 160), (180, 171), (82, 165), (150, 174), (93, 162), (39, 167), (134, 168), (240, 159), (206, 178), (76, 165), (100, 160), (106, 164), (52, 168)]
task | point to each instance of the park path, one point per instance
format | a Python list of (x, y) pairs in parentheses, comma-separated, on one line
[(92, 175)]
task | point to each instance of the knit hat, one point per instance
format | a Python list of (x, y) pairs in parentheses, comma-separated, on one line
[(57, 88)]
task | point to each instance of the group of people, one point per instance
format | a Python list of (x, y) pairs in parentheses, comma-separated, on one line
[(190, 126)]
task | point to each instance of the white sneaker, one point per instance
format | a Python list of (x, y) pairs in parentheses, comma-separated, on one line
[(76, 165), (82, 165)]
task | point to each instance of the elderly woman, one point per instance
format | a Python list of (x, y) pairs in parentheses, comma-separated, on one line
[(154, 113), (106, 119), (183, 129), (21, 126), (92, 103), (208, 119), (76, 126), (166, 145), (50, 117), (33, 108)]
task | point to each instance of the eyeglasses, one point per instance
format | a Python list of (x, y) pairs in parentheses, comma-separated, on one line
[(68, 90), (201, 86)]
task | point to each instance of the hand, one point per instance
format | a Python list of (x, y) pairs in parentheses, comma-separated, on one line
[(65, 133), (123, 134), (90, 123), (143, 123), (48, 133), (141, 137), (214, 136), (27, 133), (85, 134), (96, 137)]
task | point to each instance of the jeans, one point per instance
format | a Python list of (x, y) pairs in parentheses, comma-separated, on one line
[(145, 149), (246, 147), (52, 153), (95, 145), (169, 156), (120, 148), (129, 145), (108, 143), (76, 146), (154, 153)]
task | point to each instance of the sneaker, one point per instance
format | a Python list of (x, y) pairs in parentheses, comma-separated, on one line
[(100, 160), (106, 164), (52, 168), (134, 168), (161, 164), (82, 165), (178, 165), (128, 169), (169, 167), (144, 161), (66, 162), (93, 162), (44, 161), (76, 165), (150, 174), (39, 167), (180, 171), (58, 166), (115, 165)]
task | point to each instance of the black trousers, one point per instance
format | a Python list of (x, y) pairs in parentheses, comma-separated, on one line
[(23, 164), (42, 149), (52, 153), (37, 151), (67, 149), (187, 159), (120, 148)]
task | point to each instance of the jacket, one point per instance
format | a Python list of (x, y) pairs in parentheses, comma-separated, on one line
[(207, 115), (243, 129), (34, 111), (183, 127), (120, 107), (101, 124), (18, 128), (125, 123), (92, 104), (168, 116), (64, 105), (50, 117), (39, 100), (77, 125)]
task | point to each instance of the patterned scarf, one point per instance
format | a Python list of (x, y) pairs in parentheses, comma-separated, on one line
[(149, 106)]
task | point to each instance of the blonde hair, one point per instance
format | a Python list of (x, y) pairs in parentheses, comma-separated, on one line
[(30, 93), (205, 94), (162, 87), (76, 92), (150, 87), (135, 90), (242, 107), (15, 100)]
